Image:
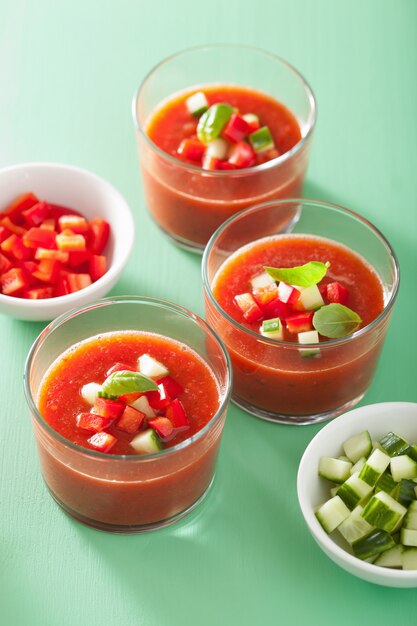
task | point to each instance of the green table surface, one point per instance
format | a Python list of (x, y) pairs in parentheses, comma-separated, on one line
[(67, 74)]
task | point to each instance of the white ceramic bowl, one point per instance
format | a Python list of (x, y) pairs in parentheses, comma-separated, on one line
[(90, 195), (400, 417)]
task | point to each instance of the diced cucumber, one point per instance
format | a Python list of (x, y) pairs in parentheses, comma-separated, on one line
[(218, 148), (309, 336), (343, 458), (334, 469), (357, 446), (332, 513), (374, 467), (413, 452), (408, 537), (377, 445), (394, 445), (310, 298), (383, 512), (386, 483), (391, 558), (272, 329), (151, 367), (90, 392), (261, 280), (405, 493), (410, 519), (251, 118), (403, 466), (410, 558), (372, 544), (333, 490), (146, 442), (261, 139), (358, 465), (197, 104), (354, 526), (354, 491), (142, 405)]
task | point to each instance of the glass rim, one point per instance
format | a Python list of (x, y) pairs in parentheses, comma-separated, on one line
[(283, 158), (58, 322), (327, 205)]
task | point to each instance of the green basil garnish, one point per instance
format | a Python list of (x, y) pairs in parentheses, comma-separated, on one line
[(213, 121), (335, 321), (125, 381), (302, 276)]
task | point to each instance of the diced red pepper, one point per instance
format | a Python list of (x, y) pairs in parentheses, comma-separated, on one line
[(48, 224), (40, 293), (47, 271), (4, 233), (5, 264), (78, 281), (265, 295), (6, 222), (119, 367), (242, 155), (158, 399), (276, 308), (69, 241), (61, 287), (78, 258), (108, 408), (236, 128), (92, 422), (163, 427), (99, 234), (14, 281), (128, 398), (39, 238), (172, 387), (56, 210), (287, 293), (177, 416), (225, 165), (131, 420), (102, 441), (337, 293), (76, 223), (57, 255), (300, 323), (14, 246), (97, 266), (246, 303), (191, 149), (253, 123), (36, 214), (211, 162), (23, 202)]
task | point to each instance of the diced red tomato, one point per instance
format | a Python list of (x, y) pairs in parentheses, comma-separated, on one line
[(158, 399), (103, 442), (36, 214), (337, 293), (242, 155), (78, 281), (70, 242), (5, 264), (47, 271), (119, 367), (40, 293), (300, 323), (191, 149), (76, 223), (6, 222), (172, 387), (13, 281), (131, 420), (108, 408), (57, 255), (99, 234), (92, 422), (287, 293), (250, 310), (265, 295), (23, 202), (163, 427), (236, 129), (39, 238), (177, 415), (97, 266)]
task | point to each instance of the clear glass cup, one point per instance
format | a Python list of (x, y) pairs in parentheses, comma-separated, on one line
[(127, 493), (187, 202), (270, 380)]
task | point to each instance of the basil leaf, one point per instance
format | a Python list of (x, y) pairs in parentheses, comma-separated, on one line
[(125, 381), (336, 320), (212, 122), (302, 276)]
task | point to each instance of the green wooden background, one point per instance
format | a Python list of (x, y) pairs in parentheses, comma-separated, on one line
[(67, 74)]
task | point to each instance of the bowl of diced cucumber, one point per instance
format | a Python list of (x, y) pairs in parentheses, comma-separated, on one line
[(357, 489)]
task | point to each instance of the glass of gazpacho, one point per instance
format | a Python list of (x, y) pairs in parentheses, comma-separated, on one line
[(302, 309), (128, 398), (220, 128)]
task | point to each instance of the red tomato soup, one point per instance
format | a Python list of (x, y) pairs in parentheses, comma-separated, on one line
[(116, 491), (190, 203), (274, 375)]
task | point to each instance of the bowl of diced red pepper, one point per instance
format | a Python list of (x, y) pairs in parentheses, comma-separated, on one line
[(65, 237)]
